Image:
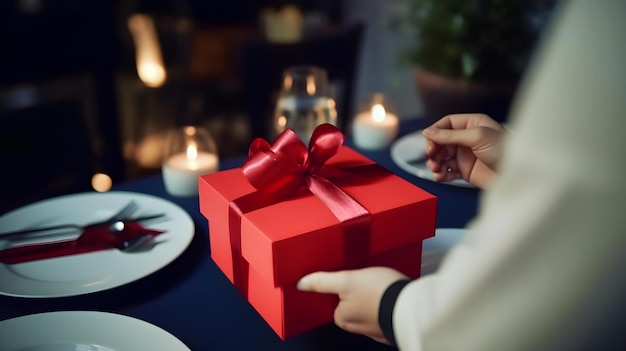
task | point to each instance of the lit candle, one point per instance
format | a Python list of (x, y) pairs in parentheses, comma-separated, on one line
[(181, 171), (149, 61), (375, 129)]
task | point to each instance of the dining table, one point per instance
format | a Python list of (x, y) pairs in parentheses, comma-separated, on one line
[(194, 301)]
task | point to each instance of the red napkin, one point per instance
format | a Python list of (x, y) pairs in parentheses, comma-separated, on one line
[(92, 239)]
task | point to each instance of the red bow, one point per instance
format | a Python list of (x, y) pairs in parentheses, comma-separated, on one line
[(285, 165), (281, 169)]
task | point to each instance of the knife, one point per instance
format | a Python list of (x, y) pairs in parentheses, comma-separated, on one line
[(94, 238), (26, 232)]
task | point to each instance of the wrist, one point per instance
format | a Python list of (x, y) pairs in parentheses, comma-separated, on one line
[(385, 310)]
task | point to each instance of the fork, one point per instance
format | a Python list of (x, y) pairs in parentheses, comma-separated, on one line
[(127, 237), (122, 214)]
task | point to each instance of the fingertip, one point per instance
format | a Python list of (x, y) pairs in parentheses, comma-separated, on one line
[(433, 165), (430, 147), (323, 282), (304, 284), (437, 176)]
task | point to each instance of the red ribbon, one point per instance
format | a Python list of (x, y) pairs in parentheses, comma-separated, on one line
[(282, 169), (92, 239)]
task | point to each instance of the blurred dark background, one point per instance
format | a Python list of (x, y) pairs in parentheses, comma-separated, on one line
[(71, 101), (74, 103)]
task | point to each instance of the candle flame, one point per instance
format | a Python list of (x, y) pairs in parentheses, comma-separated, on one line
[(192, 152), (282, 122), (378, 113), (149, 61), (310, 85), (192, 156), (288, 83), (152, 74)]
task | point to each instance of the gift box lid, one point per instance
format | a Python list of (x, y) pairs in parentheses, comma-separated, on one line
[(300, 234)]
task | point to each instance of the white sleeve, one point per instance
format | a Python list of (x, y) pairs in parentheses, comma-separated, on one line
[(542, 265)]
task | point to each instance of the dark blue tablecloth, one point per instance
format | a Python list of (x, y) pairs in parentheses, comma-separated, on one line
[(193, 300)]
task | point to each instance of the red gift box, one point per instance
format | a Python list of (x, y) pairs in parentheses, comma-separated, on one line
[(265, 237)]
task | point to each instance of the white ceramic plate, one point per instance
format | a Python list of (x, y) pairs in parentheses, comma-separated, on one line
[(435, 248), (83, 330), (94, 271), (411, 147)]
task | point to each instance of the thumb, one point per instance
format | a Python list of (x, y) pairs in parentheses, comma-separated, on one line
[(323, 282), (471, 137)]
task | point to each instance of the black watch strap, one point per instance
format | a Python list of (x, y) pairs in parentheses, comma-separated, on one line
[(385, 311)]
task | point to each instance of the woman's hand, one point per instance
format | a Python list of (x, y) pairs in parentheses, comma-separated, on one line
[(465, 146), (360, 292)]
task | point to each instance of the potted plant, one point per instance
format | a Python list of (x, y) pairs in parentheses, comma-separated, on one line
[(469, 55)]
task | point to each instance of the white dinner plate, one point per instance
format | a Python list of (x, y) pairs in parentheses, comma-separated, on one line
[(412, 147), (84, 330), (93, 271), (434, 249)]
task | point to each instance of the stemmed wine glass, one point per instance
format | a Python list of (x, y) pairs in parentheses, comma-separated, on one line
[(305, 101)]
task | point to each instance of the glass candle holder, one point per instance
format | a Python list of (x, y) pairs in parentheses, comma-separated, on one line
[(376, 124), (190, 152), (305, 101)]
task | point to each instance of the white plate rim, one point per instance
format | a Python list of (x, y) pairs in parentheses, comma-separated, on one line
[(92, 328), (445, 238), (23, 280), (435, 249), (412, 146)]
